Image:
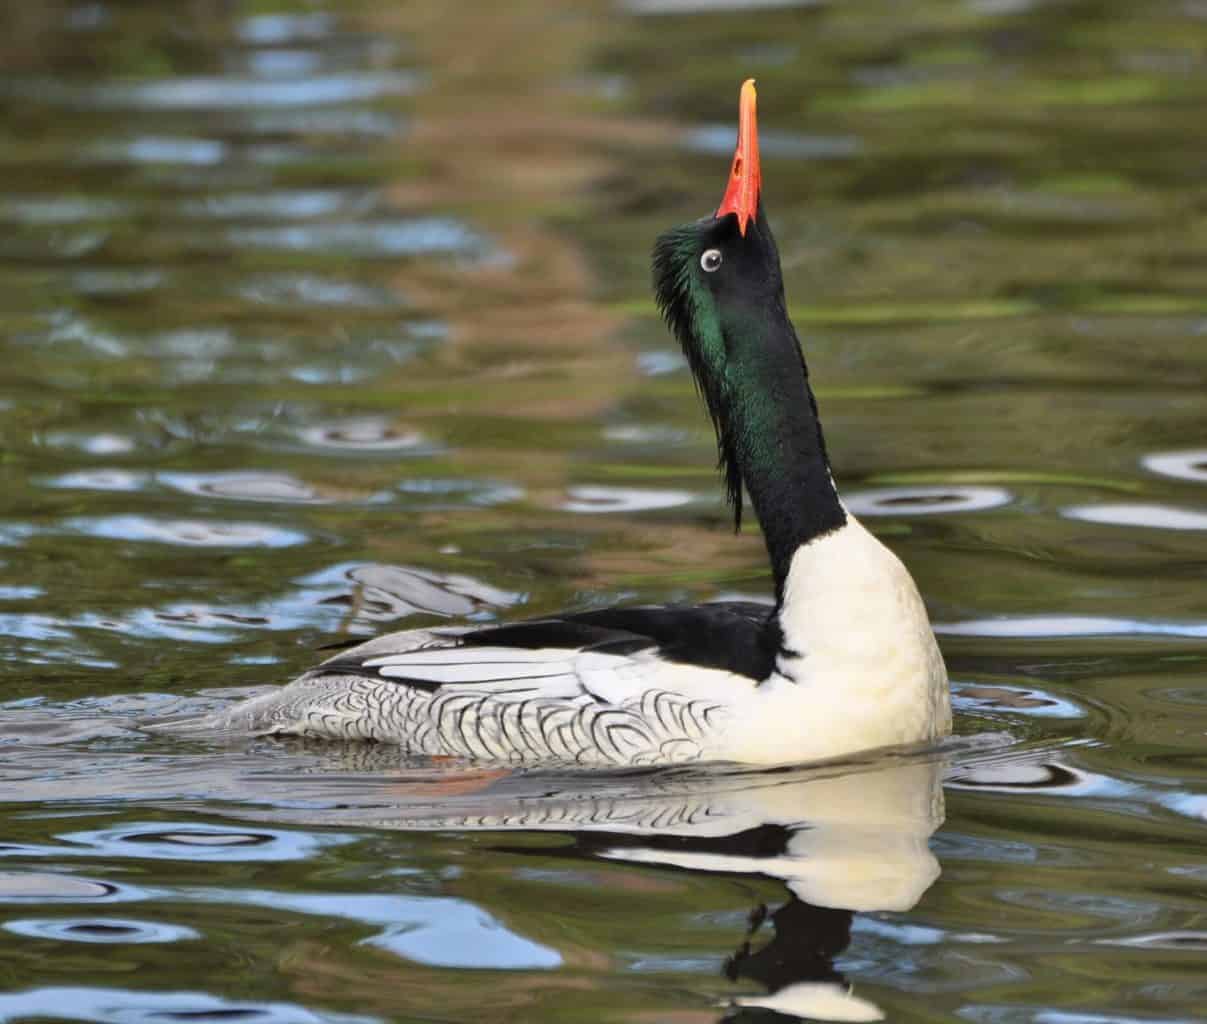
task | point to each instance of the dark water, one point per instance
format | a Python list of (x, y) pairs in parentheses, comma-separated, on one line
[(322, 318)]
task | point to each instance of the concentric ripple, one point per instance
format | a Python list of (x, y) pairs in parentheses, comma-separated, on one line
[(99, 930), (39, 887), (243, 486), (599, 499), (366, 435), (1154, 516), (199, 842), (455, 493), (924, 501), (186, 532), (1189, 465), (109, 479), (128, 1006)]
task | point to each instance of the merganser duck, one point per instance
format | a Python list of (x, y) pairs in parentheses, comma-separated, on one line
[(844, 661)]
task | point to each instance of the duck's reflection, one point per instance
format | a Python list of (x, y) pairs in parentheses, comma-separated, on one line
[(855, 841), (843, 840), (853, 837), (796, 966)]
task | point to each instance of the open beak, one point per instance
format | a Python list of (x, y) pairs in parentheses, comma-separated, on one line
[(745, 180)]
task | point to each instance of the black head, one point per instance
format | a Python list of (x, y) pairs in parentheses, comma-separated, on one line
[(719, 286), (722, 295)]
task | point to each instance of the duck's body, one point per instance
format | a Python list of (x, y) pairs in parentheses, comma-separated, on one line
[(845, 660), (834, 669)]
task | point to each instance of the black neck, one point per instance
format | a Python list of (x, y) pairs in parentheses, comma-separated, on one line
[(779, 448)]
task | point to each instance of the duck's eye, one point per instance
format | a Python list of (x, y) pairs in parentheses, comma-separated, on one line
[(710, 260)]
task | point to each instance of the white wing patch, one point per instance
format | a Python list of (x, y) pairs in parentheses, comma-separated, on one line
[(498, 670)]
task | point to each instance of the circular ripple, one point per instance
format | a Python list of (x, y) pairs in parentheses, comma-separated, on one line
[(1045, 626), (1025, 776), (43, 887), (109, 1005), (275, 487), (925, 501), (623, 499), (195, 838), (1180, 465), (1158, 517), (453, 493), (367, 435), (1016, 700), (99, 930), (187, 532), (200, 842), (100, 480)]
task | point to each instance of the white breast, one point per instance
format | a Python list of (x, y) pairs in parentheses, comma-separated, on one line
[(862, 668)]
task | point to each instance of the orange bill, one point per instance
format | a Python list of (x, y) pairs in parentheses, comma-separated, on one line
[(745, 180)]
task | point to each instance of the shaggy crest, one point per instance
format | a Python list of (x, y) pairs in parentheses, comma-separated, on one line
[(690, 312)]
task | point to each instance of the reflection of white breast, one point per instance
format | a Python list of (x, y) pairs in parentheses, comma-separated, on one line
[(858, 840), (816, 1000), (845, 836)]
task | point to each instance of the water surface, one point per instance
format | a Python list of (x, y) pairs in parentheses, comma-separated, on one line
[(321, 319)]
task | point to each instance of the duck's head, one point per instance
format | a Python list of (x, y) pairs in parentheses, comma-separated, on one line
[(719, 286)]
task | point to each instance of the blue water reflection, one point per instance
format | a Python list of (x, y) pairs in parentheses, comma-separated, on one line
[(126, 1006), (437, 931)]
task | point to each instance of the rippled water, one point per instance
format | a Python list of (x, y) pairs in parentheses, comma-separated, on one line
[(324, 318)]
